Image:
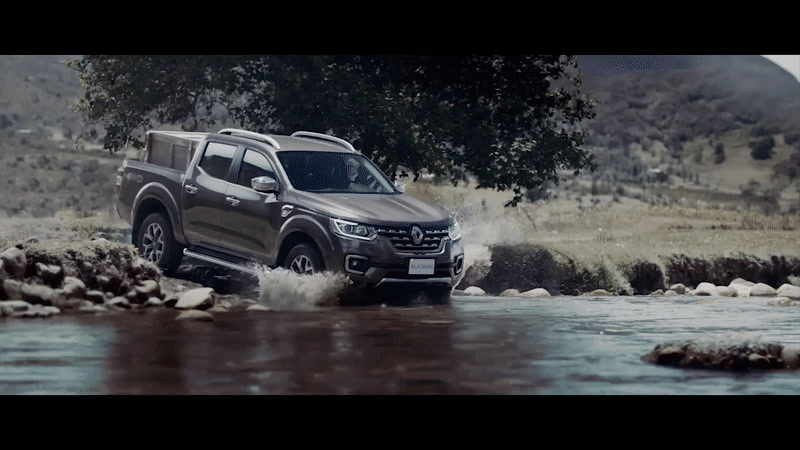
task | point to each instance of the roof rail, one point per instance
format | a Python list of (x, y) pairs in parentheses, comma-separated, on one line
[(310, 134), (251, 135)]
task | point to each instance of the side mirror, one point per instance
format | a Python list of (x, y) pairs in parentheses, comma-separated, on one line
[(400, 186), (264, 184)]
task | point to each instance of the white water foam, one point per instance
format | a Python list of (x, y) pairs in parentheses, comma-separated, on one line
[(282, 289)]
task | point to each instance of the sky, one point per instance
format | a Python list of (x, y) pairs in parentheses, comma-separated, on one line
[(788, 62)]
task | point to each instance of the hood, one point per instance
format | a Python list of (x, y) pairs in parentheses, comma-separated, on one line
[(374, 209)]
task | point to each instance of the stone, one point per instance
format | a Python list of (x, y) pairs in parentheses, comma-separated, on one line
[(37, 294), (13, 289), (670, 293), (74, 287), (51, 274), (535, 293), (199, 298), (509, 293), (14, 262), (12, 306), (170, 300), (791, 357), (679, 288), (258, 307), (763, 290), (95, 296), (781, 301), (195, 314), (725, 291), (92, 309), (119, 301), (742, 290), (789, 290), (657, 293), (217, 309), (474, 290), (153, 302), (598, 293), (148, 288), (741, 281), (704, 289)]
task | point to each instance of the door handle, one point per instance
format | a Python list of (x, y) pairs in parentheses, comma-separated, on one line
[(232, 201), (190, 189)]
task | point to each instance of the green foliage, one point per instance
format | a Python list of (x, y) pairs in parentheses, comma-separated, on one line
[(512, 121)]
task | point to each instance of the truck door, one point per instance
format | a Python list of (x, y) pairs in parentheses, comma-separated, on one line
[(252, 218), (203, 195)]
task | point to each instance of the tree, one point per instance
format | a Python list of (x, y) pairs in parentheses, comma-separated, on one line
[(512, 121), (762, 148)]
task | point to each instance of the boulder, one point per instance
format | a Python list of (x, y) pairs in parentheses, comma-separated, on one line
[(535, 293), (37, 294), (704, 289), (763, 290), (195, 314), (670, 293), (121, 302), (92, 309), (153, 302), (742, 290), (51, 274), (474, 290), (95, 296), (14, 262), (74, 287), (598, 293), (12, 306), (741, 281), (147, 289), (217, 309), (679, 288), (199, 298), (789, 290), (725, 291), (509, 293), (781, 301), (657, 293), (258, 307), (13, 289)]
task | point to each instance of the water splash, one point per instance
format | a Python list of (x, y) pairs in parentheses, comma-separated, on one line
[(282, 289)]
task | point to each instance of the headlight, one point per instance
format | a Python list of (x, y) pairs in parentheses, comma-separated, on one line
[(353, 230), (454, 231)]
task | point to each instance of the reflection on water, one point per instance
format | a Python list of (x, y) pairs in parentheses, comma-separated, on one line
[(478, 345)]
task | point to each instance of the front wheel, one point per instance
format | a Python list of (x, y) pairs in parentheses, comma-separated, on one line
[(304, 259), (157, 244)]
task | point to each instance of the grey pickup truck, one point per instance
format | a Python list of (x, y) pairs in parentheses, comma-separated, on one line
[(308, 202)]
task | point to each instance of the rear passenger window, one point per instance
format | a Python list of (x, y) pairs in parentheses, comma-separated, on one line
[(254, 165), (217, 159)]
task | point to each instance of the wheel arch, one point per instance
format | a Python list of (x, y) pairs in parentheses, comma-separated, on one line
[(292, 240)]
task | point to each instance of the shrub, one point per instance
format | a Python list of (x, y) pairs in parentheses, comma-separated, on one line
[(762, 148)]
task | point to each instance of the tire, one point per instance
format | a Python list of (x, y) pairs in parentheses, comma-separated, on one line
[(304, 259), (157, 244)]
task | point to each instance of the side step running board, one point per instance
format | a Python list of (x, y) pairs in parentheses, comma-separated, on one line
[(218, 261)]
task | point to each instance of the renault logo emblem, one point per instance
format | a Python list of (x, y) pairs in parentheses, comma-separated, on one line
[(416, 235)]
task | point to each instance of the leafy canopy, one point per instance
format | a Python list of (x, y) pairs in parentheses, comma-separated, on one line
[(511, 121)]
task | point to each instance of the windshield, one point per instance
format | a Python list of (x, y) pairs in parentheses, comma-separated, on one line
[(334, 172)]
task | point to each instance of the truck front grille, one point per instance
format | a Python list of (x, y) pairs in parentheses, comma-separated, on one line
[(401, 238)]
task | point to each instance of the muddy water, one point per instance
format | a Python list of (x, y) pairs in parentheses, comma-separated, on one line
[(477, 345)]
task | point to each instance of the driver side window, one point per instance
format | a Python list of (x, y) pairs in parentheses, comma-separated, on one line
[(254, 164)]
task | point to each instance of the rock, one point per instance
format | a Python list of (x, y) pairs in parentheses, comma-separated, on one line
[(13, 289), (535, 293), (742, 290), (74, 287), (153, 302), (119, 301), (3, 274), (763, 290), (37, 294), (741, 281), (199, 298), (725, 291), (789, 290), (110, 283), (670, 293), (258, 307), (657, 293), (458, 292), (217, 309), (95, 296), (598, 293), (14, 262), (92, 309), (781, 301), (147, 289), (51, 274), (679, 288), (704, 289), (509, 293), (37, 311), (474, 290), (791, 357), (195, 314), (12, 306)]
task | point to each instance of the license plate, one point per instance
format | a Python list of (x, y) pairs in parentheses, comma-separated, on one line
[(421, 266)]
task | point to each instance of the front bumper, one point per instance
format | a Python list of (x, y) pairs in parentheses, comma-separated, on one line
[(377, 263)]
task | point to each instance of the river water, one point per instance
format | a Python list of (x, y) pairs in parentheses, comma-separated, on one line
[(476, 345)]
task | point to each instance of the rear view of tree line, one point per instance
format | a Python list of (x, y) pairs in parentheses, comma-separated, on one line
[(511, 121)]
